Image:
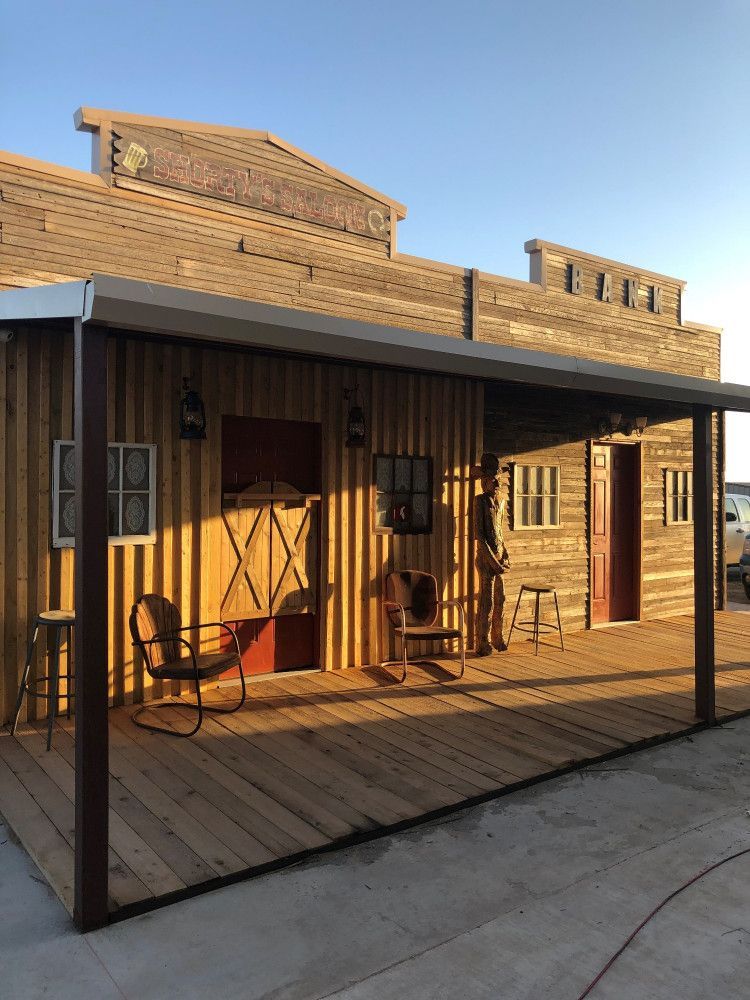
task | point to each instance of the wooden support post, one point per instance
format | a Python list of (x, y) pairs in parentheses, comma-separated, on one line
[(703, 543), (91, 686)]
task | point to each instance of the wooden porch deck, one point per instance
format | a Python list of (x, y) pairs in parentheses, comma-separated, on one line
[(319, 760)]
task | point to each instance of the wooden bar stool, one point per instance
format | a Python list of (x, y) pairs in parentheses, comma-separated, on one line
[(536, 625), (57, 620)]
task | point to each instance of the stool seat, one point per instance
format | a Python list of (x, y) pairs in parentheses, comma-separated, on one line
[(57, 617), (535, 626)]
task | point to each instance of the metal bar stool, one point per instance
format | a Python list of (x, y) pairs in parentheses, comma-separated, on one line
[(57, 620), (536, 625)]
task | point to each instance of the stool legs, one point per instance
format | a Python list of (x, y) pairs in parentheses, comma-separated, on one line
[(24, 679), (559, 623), (54, 686), (515, 613), (536, 626)]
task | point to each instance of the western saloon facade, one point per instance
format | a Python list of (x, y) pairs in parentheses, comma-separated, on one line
[(339, 443)]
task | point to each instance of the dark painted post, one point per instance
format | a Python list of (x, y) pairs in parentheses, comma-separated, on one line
[(91, 684), (703, 542)]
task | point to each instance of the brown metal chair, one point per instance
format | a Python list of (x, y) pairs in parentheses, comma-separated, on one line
[(411, 603), (155, 626)]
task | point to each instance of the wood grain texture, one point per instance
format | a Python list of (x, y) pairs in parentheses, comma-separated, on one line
[(314, 760)]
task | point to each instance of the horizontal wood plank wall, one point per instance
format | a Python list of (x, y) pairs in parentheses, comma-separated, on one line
[(406, 413), (56, 229), (537, 427)]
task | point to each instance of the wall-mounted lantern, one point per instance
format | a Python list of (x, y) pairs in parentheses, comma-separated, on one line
[(610, 424), (192, 414), (355, 421), (637, 424)]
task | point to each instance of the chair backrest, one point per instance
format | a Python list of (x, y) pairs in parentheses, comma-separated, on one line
[(153, 615), (417, 592)]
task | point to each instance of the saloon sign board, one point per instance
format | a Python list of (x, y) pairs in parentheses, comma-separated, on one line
[(138, 155)]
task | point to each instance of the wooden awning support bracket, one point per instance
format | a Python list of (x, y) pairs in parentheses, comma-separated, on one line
[(704, 575)]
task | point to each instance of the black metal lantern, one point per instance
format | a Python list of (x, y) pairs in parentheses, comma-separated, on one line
[(192, 414), (355, 422)]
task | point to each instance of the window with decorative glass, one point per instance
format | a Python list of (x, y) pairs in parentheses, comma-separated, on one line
[(536, 496), (131, 494), (403, 495), (679, 496)]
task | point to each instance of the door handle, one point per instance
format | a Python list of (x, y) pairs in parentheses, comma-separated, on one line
[(740, 531)]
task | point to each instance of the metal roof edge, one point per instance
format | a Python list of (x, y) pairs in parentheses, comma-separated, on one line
[(62, 300)]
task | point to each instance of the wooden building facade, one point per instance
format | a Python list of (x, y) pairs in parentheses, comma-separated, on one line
[(244, 214)]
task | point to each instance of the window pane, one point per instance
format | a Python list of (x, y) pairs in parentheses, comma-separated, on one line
[(675, 502), (401, 512), (550, 510), (67, 515), (744, 507), (67, 474), (384, 475), (536, 510), (383, 508), (420, 511), (525, 480), (135, 469), (113, 513), (525, 510), (135, 510), (402, 475), (731, 509), (113, 468), (554, 474), (420, 472)]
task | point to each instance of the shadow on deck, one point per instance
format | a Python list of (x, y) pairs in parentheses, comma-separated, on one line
[(318, 761)]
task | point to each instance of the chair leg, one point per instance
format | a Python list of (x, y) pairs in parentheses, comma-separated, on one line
[(463, 656), (24, 679), (54, 686), (515, 614), (559, 624), (404, 659), (536, 626), (167, 730)]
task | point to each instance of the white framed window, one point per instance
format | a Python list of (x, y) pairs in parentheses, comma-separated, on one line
[(131, 497), (536, 496), (678, 495)]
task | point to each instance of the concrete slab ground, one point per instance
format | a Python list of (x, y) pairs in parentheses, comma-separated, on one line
[(525, 897)]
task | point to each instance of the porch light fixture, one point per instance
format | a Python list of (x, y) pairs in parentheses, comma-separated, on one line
[(637, 424), (355, 422), (192, 414), (609, 425)]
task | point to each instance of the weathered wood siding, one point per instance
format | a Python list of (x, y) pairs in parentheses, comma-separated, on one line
[(536, 427), (411, 414)]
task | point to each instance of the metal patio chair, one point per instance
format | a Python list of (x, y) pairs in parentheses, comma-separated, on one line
[(411, 603), (155, 626)]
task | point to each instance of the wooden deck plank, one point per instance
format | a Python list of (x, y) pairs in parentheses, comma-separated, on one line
[(312, 760)]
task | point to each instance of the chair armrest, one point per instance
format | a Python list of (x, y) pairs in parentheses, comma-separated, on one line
[(227, 628), (395, 604), (456, 603)]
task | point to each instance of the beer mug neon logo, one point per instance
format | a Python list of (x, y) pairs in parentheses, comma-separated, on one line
[(135, 158)]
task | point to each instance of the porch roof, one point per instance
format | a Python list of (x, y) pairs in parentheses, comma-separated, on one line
[(123, 303)]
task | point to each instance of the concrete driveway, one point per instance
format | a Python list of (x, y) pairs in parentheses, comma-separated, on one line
[(526, 897)]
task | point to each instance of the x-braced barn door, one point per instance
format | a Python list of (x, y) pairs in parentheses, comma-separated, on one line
[(270, 540)]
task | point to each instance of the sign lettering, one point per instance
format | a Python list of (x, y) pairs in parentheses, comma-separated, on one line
[(604, 288), (157, 161)]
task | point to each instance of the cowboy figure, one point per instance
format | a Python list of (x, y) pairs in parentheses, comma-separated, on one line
[(491, 559)]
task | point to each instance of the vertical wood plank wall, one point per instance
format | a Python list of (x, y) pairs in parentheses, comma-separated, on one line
[(406, 413)]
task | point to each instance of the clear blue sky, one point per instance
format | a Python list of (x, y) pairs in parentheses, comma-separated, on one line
[(618, 128)]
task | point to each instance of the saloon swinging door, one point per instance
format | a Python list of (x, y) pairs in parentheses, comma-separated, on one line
[(270, 540)]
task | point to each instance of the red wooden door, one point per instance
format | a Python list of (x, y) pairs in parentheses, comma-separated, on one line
[(613, 533), (270, 551)]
